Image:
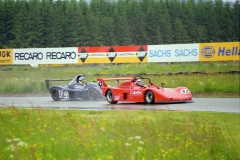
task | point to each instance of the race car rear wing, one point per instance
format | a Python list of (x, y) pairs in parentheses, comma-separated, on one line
[(47, 81), (101, 81)]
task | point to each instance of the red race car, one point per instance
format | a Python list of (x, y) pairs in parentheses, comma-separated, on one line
[(132, 89)]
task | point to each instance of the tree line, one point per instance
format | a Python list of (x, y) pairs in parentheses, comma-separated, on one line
[(68, 23)]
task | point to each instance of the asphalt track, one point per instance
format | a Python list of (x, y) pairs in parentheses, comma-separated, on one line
[(230, 105)]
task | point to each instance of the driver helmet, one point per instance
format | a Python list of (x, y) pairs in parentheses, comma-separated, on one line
[(81, 79), (139, 82)]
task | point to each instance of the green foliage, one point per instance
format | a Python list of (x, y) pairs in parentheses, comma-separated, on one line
[(47, 23), (56, 134)]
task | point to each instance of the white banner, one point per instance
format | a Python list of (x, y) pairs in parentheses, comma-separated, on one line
[(45, 55), (173, 53)]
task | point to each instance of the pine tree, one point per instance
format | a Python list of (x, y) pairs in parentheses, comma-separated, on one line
[(137, 22), (122, 29), (8, 20), (164, 23), (180, 34), (201, 34), (228, 23), (22, 26), (36, 23), (94, 35), (235, 19), (2, 24), (75, 24), (190, 20)]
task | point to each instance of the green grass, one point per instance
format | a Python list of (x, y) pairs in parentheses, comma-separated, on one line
[(58, 134), (24, 79)]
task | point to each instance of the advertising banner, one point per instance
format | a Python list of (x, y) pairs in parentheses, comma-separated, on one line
[(219, 51), (173, 53), (45, 55), (112, 54), (6, 56)]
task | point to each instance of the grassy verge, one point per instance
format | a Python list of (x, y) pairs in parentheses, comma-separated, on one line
[(55, 134), (216, 77)]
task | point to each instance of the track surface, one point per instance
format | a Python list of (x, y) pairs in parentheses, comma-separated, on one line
[(200, 104)]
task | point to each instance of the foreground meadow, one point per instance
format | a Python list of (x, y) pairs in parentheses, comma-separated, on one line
[(119, 135)]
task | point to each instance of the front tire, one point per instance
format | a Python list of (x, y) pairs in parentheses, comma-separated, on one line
[(149, 97), (55, 94), (109, 97)]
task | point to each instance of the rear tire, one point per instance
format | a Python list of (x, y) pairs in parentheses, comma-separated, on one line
[(109, 97), (55, 94), (149, 97), (92, 95)]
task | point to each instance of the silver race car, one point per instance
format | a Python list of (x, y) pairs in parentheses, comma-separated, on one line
[(75, 89)]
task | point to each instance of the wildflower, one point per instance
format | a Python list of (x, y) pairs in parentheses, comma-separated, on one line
[(16, 139), (140, 148), (11, 156), (23, 144), (141, 142), (103, 129), (127, 144), (137, 137), (130, 138), (10, 147)]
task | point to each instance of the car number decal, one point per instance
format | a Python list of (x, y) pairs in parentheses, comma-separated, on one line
[(63, 94), (184, 91)]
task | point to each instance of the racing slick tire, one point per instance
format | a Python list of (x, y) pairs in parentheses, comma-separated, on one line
[(109, 97), (149, 97), (55, 94), (92, 95)]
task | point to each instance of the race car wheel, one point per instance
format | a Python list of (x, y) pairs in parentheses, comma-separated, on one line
[(55, 95), (92, 94), (72, 96), (109, 97), (149, 97)]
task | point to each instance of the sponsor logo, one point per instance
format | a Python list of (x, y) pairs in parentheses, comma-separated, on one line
[(208, 51), (78, 87), (100, 84), (185, 52), (5, 54), (184, 91), (82, 56), (61, 55), (234, 51), (136, 92), (29, 56), (160, 53), (126, 54), (111, 54), (97, 55)]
